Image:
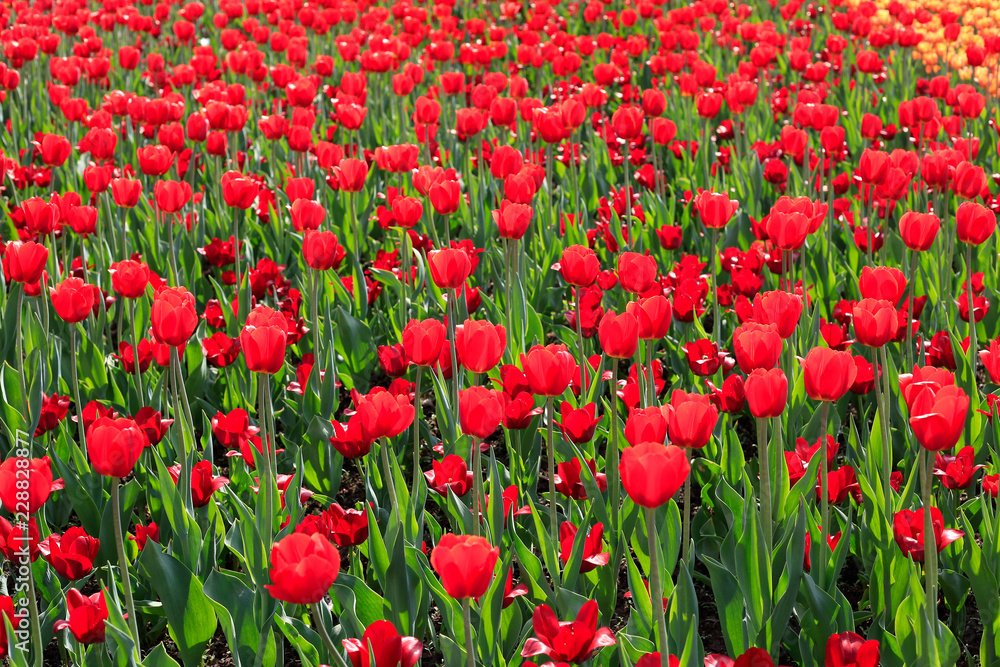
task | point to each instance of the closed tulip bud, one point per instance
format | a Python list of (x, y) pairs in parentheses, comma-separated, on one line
[(548, 369), (636, 273), (647, 425), (918, 230), (74, 299), (692, 419), (480, 411), (450, 268), (303, 568), (882, 282), (875, 322), (24, 262), (306, 214), (652, 473), (351, 174), (757, 346), (407, 211), (423, 341), (969, 180), (828, 374), (263, 340), (653, 315), (974, 223), (238, 191), (126, 192), (627, 122), (465, 564), (766, 392), (579, 266), (479, 345), (40, 485), (173, 316), (618, 334)]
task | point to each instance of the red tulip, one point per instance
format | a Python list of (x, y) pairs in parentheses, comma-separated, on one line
[(974, 223), (383, 415), (569, 480), (263, 340), (627, 122), (155, 160), (969, 180), (87, 616), (593, 556), (306, 215), (579, 266), (578, 424), (548, 369), (956, 472), (352, 174), (465, 564), (238, 191), (203, 483), (171, 196), (828, 374), (567, 641), (653, 315), (692, 419), (652, 473), (918, 230), (882, 282), (173, 316), (647, 425), (74, 300), (382, 646), (937, 416), (849, 649), (129, 278), (757, 346), (619, 335), (450, 473), (40, 485), (479, 345), (767, 392), (24, 262), (303, 567), (480, 411), (423, 341), (908, 530), (704, 357), (71, 554), (779, 308), (714, 209), (322, 251), (875, 322), (114, 446), (450, 267), (636, 273), (126, 191)]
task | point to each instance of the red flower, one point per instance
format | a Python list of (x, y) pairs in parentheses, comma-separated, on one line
[(71, 554), (578, 425), (652, 473), (908, 530), (618, 334), (548, 369), (653, 315), (849, 649), (593, 557), (74, 299), (767, 392), (465, 564), (126, 191), (627, 122), (40, 485), (382, 414), (351, 174), (714, 209), (479, 345), (567, 641), (451, 473), (238, 191), (956, 472), (779, 308), (450, 267), (756, 346), (382, 646), (174, 317), (263, 340), (129, 278), (303, 567), (828, 374), (875, 322), (143, 533), (918, 230), (423, 341), (86, 616), (569, 481), (24, 262), (636, 273), (512, 219), (171, 196), (203, 484), (12, 540), (974, 223), (114, 446), (647, 425), (704, 357), (306, 215), (480, 411), (692, 419), (937, 416), (579, 266)]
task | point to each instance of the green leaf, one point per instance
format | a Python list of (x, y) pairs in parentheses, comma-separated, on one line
[(233, 601)]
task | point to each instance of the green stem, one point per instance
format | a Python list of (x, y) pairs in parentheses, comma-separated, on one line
[(116, 508), (910, 310), (76, 386), (973, 354), (656, 586), (686, 528), (765, 483), (820, 559), (579, 342), (185, 479), (477, 487), (135, 353), (389, 483), (611, 460), (551, 456), (416, 430), (325, 636), (713, 262), (266, 445), (886, 483), (930, 550), (470, 653)]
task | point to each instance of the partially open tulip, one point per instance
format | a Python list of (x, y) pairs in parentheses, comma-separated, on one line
[(74, 299), (449, 267), (757, 346), (381, 645), (937, 416), (767, 392), (692, 419), (579, 266), (24, 262), (548, 369), (479, 345), (652, 473), (619, 334), (303, 567), (480, 411), (423, 341), (86, 616), (173, 316), (465, 564), (908, 531), (828, 374), (567, 641), (849, 649), (263, 340), (114, 446), (37, 473), (875, 322), (71, 554)]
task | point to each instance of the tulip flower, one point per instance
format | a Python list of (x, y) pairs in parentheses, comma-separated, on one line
[(828, 374), (636, 272), (71, 554), (875, 322), (87, 616), (40, 485), (571, 642), (956, 472), (569, 481), (479, 345), (263, 340), (203, 483), (937, 416), (849, 649), (449, 474), (450, 268), (381, 645), (579, 266), (173, 316), (757, 346), (578, 424), (908, 529), (24, 262), (653, 473), (303, 568), (619, 335), (465, 564), (593, 557)]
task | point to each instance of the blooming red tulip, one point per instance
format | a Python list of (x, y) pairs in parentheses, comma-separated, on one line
[(882, 282), (383, 415), (779, 308), (767, 392), (849, 649), (569, 480), (647, 425), (974, 223), (652, 473), (74, 300), (918, 230), (567, 641), (238, 191), (714, 209), (579, 266), (692, 419), (908, 530), (875, 322), (593, 557), (423, 341), (322, 251), (828, 374), (636, 273), (263, 340), (450, 268), (155, 160), (303, 567), (757, 346), (306, 214), (87, 616), (382, 646), (450, 473), (129, 278), (653, 315), (352, 174), (71, 554), (627, 122), (114, 446), (578, 424), (24, 262), (203, 483), (937, 416), (171, 196), (956, 472), (479, 345), (619, 334), (480, 411), (40, 485), (173, 316), (548, 369), (465, 564)]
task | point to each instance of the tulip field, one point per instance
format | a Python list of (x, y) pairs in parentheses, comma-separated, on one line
[(617, 333)]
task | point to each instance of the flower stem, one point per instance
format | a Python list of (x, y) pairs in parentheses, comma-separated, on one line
[(824, 528), (266, 445), (551, 456), (325, 636), (930, 549), (135, 353), (76, 386), (185, 479), (611, 460), (765, 483), (116, 509), (886, 482), (579, 342), (656, 586), (973, 353), (389, 483), (416, 430), (470, 653), (686, 529), (713, 261), (477, 487)]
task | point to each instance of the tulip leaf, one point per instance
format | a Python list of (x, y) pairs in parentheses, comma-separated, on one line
[(683, 618), (353, 341), (729, 601), (190, 613), (361, 605), (303, 639), (233, 601), (158, 658)]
